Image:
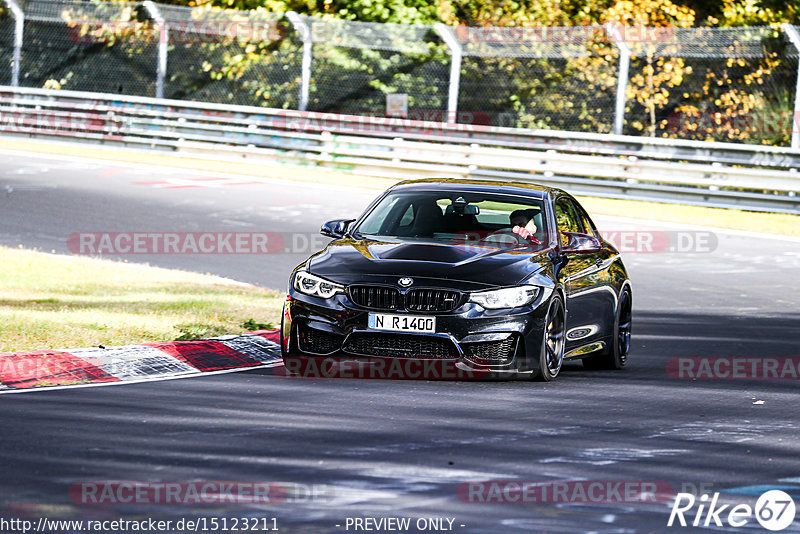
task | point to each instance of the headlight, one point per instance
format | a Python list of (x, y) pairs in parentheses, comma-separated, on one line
[(315, 286), (510, 297)]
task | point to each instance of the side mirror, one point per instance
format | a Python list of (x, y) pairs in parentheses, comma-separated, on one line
[(581, 243), (336, 228)]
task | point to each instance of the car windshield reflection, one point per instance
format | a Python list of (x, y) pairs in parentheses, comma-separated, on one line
[(456, 218)]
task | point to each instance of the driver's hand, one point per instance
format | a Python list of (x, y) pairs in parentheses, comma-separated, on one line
[(525, 234)]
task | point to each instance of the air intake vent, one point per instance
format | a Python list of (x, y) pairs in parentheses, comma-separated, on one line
[(493, 351), (400, 346), (313, 341)]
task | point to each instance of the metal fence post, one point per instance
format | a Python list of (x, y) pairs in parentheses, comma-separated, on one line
[(163, 42), (622, 78), (456, 52), (305, 70), (794, 37), (19, 28)]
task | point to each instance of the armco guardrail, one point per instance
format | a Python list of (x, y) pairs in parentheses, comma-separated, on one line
[(713, 174)]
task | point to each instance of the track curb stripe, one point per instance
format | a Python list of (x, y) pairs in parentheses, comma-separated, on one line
[(146, 361), (41, 368)]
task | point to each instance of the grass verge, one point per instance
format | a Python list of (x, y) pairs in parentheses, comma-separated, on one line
[(50, 301)]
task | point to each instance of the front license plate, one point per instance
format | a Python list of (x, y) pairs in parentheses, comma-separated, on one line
[(401, 323)]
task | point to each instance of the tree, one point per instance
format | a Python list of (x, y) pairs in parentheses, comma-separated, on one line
[(651, 86), (759, 12)]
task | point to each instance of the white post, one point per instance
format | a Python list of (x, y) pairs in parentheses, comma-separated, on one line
[(622, 78), (456, 52), (163, 42), (305, 70), (794, 37), (19, 28)]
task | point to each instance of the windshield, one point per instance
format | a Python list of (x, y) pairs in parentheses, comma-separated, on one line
[(457, 217)]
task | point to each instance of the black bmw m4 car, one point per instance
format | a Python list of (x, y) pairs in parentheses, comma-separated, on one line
[(502, 279)]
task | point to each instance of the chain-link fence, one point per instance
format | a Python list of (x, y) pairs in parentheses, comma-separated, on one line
[(230, 56), (6, 44), (561, 78), (723, 84), (356, 64), (88, 46)]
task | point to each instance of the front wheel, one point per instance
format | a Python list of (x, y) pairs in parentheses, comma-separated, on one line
[(616, 356), (551, 355)]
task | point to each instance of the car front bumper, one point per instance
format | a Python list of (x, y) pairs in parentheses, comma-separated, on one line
[(470, 341)]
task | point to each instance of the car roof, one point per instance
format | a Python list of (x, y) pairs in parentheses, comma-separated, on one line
[(466, 185)]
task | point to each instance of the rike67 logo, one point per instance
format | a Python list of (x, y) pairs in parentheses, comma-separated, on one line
[(774, 510)]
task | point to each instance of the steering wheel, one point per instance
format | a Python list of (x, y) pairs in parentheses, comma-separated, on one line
[(506, 237)]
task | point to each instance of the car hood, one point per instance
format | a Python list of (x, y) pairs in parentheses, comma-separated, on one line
[(348, 261)]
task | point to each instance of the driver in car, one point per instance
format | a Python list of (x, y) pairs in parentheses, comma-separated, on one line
[(523, 224)]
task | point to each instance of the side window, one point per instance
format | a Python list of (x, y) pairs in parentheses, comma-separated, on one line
[(567, 219), (588, 224)]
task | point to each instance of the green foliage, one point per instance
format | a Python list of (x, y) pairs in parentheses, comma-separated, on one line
[(251, 325), (759, 12), (505, 13), (570, 92), (192, 332), (511, 12), (55, 302)]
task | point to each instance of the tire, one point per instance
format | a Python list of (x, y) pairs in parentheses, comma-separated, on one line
[(551, 354), (616, 356)]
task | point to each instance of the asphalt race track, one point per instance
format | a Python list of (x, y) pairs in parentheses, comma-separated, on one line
[(391, 448)]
